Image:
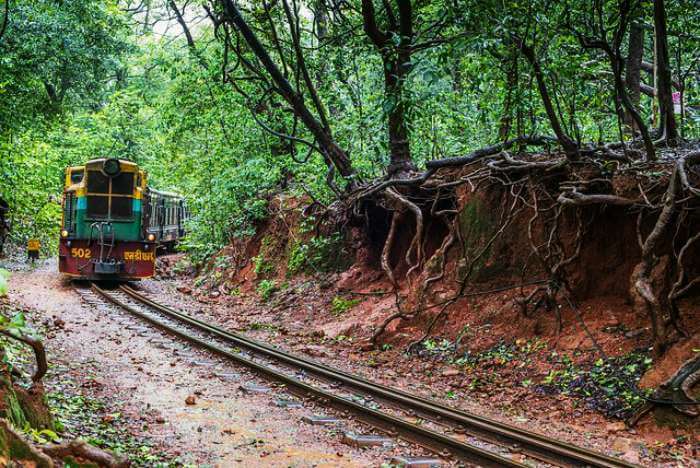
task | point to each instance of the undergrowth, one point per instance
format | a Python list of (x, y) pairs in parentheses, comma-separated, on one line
[(266, 288), (340, 305), (609, 387), (606, 386), (88, 418)]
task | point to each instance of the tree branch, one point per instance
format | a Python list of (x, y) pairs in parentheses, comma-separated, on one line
[(378, 37), (5, 19)]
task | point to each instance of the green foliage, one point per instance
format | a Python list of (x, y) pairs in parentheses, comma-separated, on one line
[(437, 346), (340, 305), (82, 79), (608, 386), (266, 288), (318, 255), (261, 266), (79, 414), (4, 282), (296, 261), (43, 436), (263, 326)]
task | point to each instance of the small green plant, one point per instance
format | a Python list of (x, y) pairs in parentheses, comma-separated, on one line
[(318, 255), (263, 326), (261, 266), (266, 288), (432, 346), (43, 436), (340, 305), (4, 280), (297, 261)]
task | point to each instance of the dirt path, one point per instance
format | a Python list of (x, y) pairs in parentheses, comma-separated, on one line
[(145, 378)]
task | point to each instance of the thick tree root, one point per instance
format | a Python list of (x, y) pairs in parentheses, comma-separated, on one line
[(82, 451), (557, 191)]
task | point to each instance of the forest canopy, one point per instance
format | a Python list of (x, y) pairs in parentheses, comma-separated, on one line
[(356, 104), (373, 88)]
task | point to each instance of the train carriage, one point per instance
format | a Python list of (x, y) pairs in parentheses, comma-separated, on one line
[(113, 223)]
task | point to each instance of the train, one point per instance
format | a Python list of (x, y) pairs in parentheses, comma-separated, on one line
[(114, 224)]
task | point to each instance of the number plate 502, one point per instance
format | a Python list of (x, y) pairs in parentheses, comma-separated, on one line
[(80, 253)]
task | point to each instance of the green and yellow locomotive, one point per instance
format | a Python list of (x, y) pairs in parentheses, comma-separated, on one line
[(113, 223)]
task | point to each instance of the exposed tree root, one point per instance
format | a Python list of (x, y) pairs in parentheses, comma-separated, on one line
[(556, 189), (386, 251), (678, 388), (39, 353), (82, 451), (642, 291)]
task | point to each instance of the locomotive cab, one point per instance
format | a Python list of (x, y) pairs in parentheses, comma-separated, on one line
[(102, 233)]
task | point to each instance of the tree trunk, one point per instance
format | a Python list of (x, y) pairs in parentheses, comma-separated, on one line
[(399, 146), (570, 147), (667, 120), (633, 71), (506, 123), (396, 60)]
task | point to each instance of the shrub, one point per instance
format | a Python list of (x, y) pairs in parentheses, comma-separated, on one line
[(266, 288), (341, 305)]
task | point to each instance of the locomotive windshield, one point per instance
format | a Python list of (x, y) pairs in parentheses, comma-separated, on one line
[(76, 176), (110, 197)]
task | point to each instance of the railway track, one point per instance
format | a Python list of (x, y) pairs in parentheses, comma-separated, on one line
[(450, 432)]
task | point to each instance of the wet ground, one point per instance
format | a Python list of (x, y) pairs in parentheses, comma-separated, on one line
[(188, 403), (148, 379), (503, 387)]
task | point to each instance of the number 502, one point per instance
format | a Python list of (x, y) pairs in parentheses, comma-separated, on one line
[(80, 253)]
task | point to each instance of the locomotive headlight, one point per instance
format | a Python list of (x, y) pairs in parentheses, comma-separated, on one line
[(111, 167), (64, 233), (151, 237)]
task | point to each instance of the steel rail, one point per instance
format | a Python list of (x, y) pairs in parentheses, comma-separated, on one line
[(392, 425), (530, 443)]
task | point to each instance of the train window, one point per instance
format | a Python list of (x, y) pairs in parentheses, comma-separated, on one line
[(97, 207), (76, 176), (123, 184), (122, 207), (97, 182)]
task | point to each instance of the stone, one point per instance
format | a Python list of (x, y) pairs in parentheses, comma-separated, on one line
[(315, 351), (634, 333), (288, 404), (191, 400), (450, 372), (631, 456), (615, 427)]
